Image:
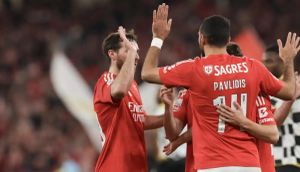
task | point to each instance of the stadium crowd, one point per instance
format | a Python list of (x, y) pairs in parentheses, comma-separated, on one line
[(37, 133)]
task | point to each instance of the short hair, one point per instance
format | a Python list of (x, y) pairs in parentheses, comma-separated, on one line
[(216, 29), (112, 41), (234, 49), (273, 48)]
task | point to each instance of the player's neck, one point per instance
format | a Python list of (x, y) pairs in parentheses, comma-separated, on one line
[(114, 69), (209, 50)]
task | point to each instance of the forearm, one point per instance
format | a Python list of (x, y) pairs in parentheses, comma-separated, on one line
[(268, 133), (123, 81), (153, 122), (184, 138), (172, 129), (287, 92), (150, 71), (282, 112)]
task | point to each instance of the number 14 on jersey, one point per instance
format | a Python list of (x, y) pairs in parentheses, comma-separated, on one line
[(222, 100)]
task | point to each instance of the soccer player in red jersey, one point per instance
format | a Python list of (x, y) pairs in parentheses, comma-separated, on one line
[(216, 79), (119, 108), (182, 116)]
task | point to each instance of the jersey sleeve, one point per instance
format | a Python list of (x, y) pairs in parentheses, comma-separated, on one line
[(179, 74), (269, 83), (264, 110), (102, 89), (180, 107)]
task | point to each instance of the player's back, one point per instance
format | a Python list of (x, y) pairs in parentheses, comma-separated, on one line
[(223, 79)]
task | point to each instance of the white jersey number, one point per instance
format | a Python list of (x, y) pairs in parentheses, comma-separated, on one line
[(221, 100)]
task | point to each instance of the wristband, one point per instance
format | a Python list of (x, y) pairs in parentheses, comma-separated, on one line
[(157, 42)]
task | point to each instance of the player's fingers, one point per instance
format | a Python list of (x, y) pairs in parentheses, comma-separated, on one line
[(154, 15), (279, 44), (288, 39), (166, 12), (227, 108), (169, 23), (293, 40), (159, 12), (224, 118), (223, 113), (297, 42), (237, 106)]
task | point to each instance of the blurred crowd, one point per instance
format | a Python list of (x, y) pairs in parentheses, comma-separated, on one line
[(37, 133)]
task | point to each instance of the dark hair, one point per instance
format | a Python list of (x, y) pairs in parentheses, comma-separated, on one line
[(112, 41), (234, 49), (273, 48), (216, 29)]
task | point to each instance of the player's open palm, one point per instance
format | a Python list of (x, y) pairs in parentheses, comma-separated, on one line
[(291, 47), (161, 26)]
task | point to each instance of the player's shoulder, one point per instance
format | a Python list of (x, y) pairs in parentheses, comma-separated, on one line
[(106, 78), (186, 61), (253, 61)]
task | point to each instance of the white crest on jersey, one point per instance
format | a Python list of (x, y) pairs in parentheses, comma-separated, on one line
[(208, 69)]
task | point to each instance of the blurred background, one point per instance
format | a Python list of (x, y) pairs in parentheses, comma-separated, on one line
[(38, 129)]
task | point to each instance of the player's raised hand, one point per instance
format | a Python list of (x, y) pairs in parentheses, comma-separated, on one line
[(128, 44), (161, 25), (291, 47), (166, 95)]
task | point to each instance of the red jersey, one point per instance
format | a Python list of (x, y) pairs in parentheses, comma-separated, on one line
[(214, 80), (123, 127), (182, 111), (265, 117)]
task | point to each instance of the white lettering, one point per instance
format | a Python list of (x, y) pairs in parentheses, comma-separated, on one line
[(231, 69), (229, 84)]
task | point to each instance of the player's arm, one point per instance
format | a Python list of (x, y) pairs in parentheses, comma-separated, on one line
[(123, 81), (160, 30), (288, 54), (282, 112), (172, 125), (268, 133), (153, 122), (183, 138)]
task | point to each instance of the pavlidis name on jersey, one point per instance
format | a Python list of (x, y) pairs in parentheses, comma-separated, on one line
[(219, 70)]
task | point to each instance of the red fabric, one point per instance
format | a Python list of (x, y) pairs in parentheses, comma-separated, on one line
[(212, 80), (123, 126), (265, 117), (182, 111)]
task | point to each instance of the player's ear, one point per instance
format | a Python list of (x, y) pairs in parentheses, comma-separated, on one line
[(203, 40), (112, 55)]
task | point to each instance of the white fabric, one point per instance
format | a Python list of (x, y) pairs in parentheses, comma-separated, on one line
[(157, 42)]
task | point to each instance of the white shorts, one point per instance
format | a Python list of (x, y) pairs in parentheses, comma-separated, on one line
[(231, 169)]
